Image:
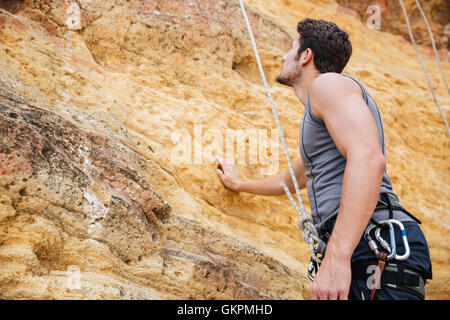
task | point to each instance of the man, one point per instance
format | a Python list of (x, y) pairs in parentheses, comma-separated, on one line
[(343, 166)]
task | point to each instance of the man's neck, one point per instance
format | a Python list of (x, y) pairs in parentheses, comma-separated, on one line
[(302, 87)]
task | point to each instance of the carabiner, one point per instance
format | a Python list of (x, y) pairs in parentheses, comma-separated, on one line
[(373, 245), (392, 247), (383, 242), (404, 256), (312, 267), (405, 240)]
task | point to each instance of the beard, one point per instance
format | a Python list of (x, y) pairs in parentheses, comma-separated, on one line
[(290, 78)]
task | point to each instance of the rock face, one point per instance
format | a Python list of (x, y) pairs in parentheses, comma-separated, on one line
[(72, 198), (108, 111)]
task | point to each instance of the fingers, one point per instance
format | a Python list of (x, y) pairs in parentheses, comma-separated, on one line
[(220, 173), (227, 173), (328, 292), (225, 165), (332, 295), (343, 295), (314, 292), (223, 161), (220, 165), (220, 160), (314, 296), (220, 170), (323, 294)]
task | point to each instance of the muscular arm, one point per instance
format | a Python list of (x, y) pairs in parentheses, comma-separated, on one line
[(339, 102), (270, 186)]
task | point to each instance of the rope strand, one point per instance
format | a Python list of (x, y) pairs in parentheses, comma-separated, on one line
[(309, 231), (433, 44), (423, 67)]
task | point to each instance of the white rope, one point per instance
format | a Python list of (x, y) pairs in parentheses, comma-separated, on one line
[(423, 66), (433, 44), (305, 223)]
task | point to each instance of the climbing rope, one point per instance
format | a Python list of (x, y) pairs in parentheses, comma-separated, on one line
[(433, 44), (423, 66), (305, 223)]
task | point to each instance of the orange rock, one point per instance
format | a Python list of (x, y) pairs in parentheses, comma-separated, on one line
[(108, 103)]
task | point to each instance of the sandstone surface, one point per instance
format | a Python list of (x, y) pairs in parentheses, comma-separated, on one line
[(95, 96)]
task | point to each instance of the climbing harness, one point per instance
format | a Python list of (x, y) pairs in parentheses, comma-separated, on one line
[(389, 268), (395, 275)]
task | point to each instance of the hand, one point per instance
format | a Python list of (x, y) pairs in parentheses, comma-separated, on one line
[(332, 281), (228, 174)]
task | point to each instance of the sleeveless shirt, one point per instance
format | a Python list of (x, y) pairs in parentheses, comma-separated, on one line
[(325, 166)]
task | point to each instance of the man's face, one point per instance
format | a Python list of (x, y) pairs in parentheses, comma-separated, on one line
[(291, 69)]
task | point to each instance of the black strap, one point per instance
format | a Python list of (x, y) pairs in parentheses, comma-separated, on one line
[(406, 281), (359, 271), (407, 289), (399, 278), (401, 275), (411, 215), (387, 204), (375, 222)]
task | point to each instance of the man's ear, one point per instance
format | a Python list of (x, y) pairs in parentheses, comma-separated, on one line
[(306, 56)]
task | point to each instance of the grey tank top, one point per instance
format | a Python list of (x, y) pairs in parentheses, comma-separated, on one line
[(325, 166)]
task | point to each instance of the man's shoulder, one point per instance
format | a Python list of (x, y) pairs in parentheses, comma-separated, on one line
[(329, 89), (335, 82)]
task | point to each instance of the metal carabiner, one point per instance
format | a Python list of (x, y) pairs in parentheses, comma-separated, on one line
[(373, 245), (405, 240), (390, 247), (383, 242), (312, 267), (404, 256)]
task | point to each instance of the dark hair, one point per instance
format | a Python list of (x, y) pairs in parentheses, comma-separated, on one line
[(331, 45)]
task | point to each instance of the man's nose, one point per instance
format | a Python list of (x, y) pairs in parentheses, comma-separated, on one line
[(283, 59)]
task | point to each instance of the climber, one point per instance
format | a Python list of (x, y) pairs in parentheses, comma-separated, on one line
[(343, 167)]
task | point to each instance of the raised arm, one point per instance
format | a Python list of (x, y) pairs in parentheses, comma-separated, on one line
[(270, 186)]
